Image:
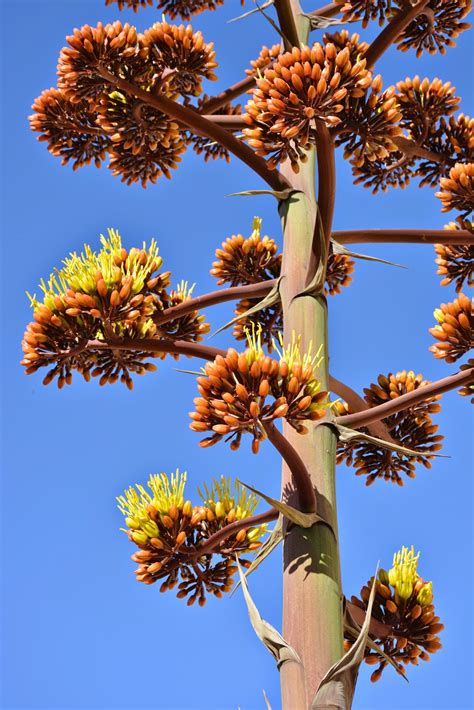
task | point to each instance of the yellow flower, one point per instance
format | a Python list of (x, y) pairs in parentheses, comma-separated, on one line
[(403, 575)]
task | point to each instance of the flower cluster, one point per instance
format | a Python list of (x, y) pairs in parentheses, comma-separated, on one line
[(267, 56), (173, 8), (369, 124), (456, 261), (171, 534), (436, 28), (412, 428), (242, 392), (365, 11), (95, 303), (457, 190), (454, 331), (242, 261), (300, 88), (69, 129), (405, 625), (95, 110), (423, 102)]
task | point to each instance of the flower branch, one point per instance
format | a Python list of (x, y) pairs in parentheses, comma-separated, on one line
[(258, 290), (209, 545), (360, 419), (403, 236), (202, 126), (393, 30), (304, 485), (155, 345), (357, 404)]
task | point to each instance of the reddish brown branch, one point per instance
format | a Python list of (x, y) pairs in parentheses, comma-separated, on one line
[(258, 290), (357, 404), (328, 11), (154, 345), (404, 236), (217, 102), (207, 546), (202, 126), (303, 484), (413, 149), (393, 30), (360, 419)]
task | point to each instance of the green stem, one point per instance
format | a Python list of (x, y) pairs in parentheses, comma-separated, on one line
[(312, 598)]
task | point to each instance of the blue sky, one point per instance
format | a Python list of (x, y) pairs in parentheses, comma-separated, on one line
[(78, 631)]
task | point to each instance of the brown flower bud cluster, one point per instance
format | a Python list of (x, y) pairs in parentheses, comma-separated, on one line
[(365, 11), (242, 392), (412, 428), (436, 28), (96, 301), (453, 142), (181, 55), (468, 390), (300, 88), (423, 102), (170, 533), (267, 56), (457, 190), (404, 622), (454, 330), (145, 143), (343, 39), (456, 261), (338, 272), (173, 8), (208, 148), (91, 113), (369, 125), (69, 129)]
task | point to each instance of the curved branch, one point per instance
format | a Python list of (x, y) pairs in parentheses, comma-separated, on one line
[(154, 345), (212, 298), (360, 419), (357, 404), (203, 127), (412, 149), (207, 546), (303, 483), (326, 11), (404, 236), (217, 102), (393, 30)]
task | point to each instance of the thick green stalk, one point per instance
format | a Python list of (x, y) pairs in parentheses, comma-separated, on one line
[(312, 599)]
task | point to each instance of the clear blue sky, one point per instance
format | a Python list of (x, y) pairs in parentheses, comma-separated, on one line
[(78, 631)]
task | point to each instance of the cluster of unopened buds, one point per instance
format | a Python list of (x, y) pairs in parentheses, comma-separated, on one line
[(454, 330), (404, 622), (241, 261), (95, 110), (411, 428), (247, 391), (175, 537), (97, 300)]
